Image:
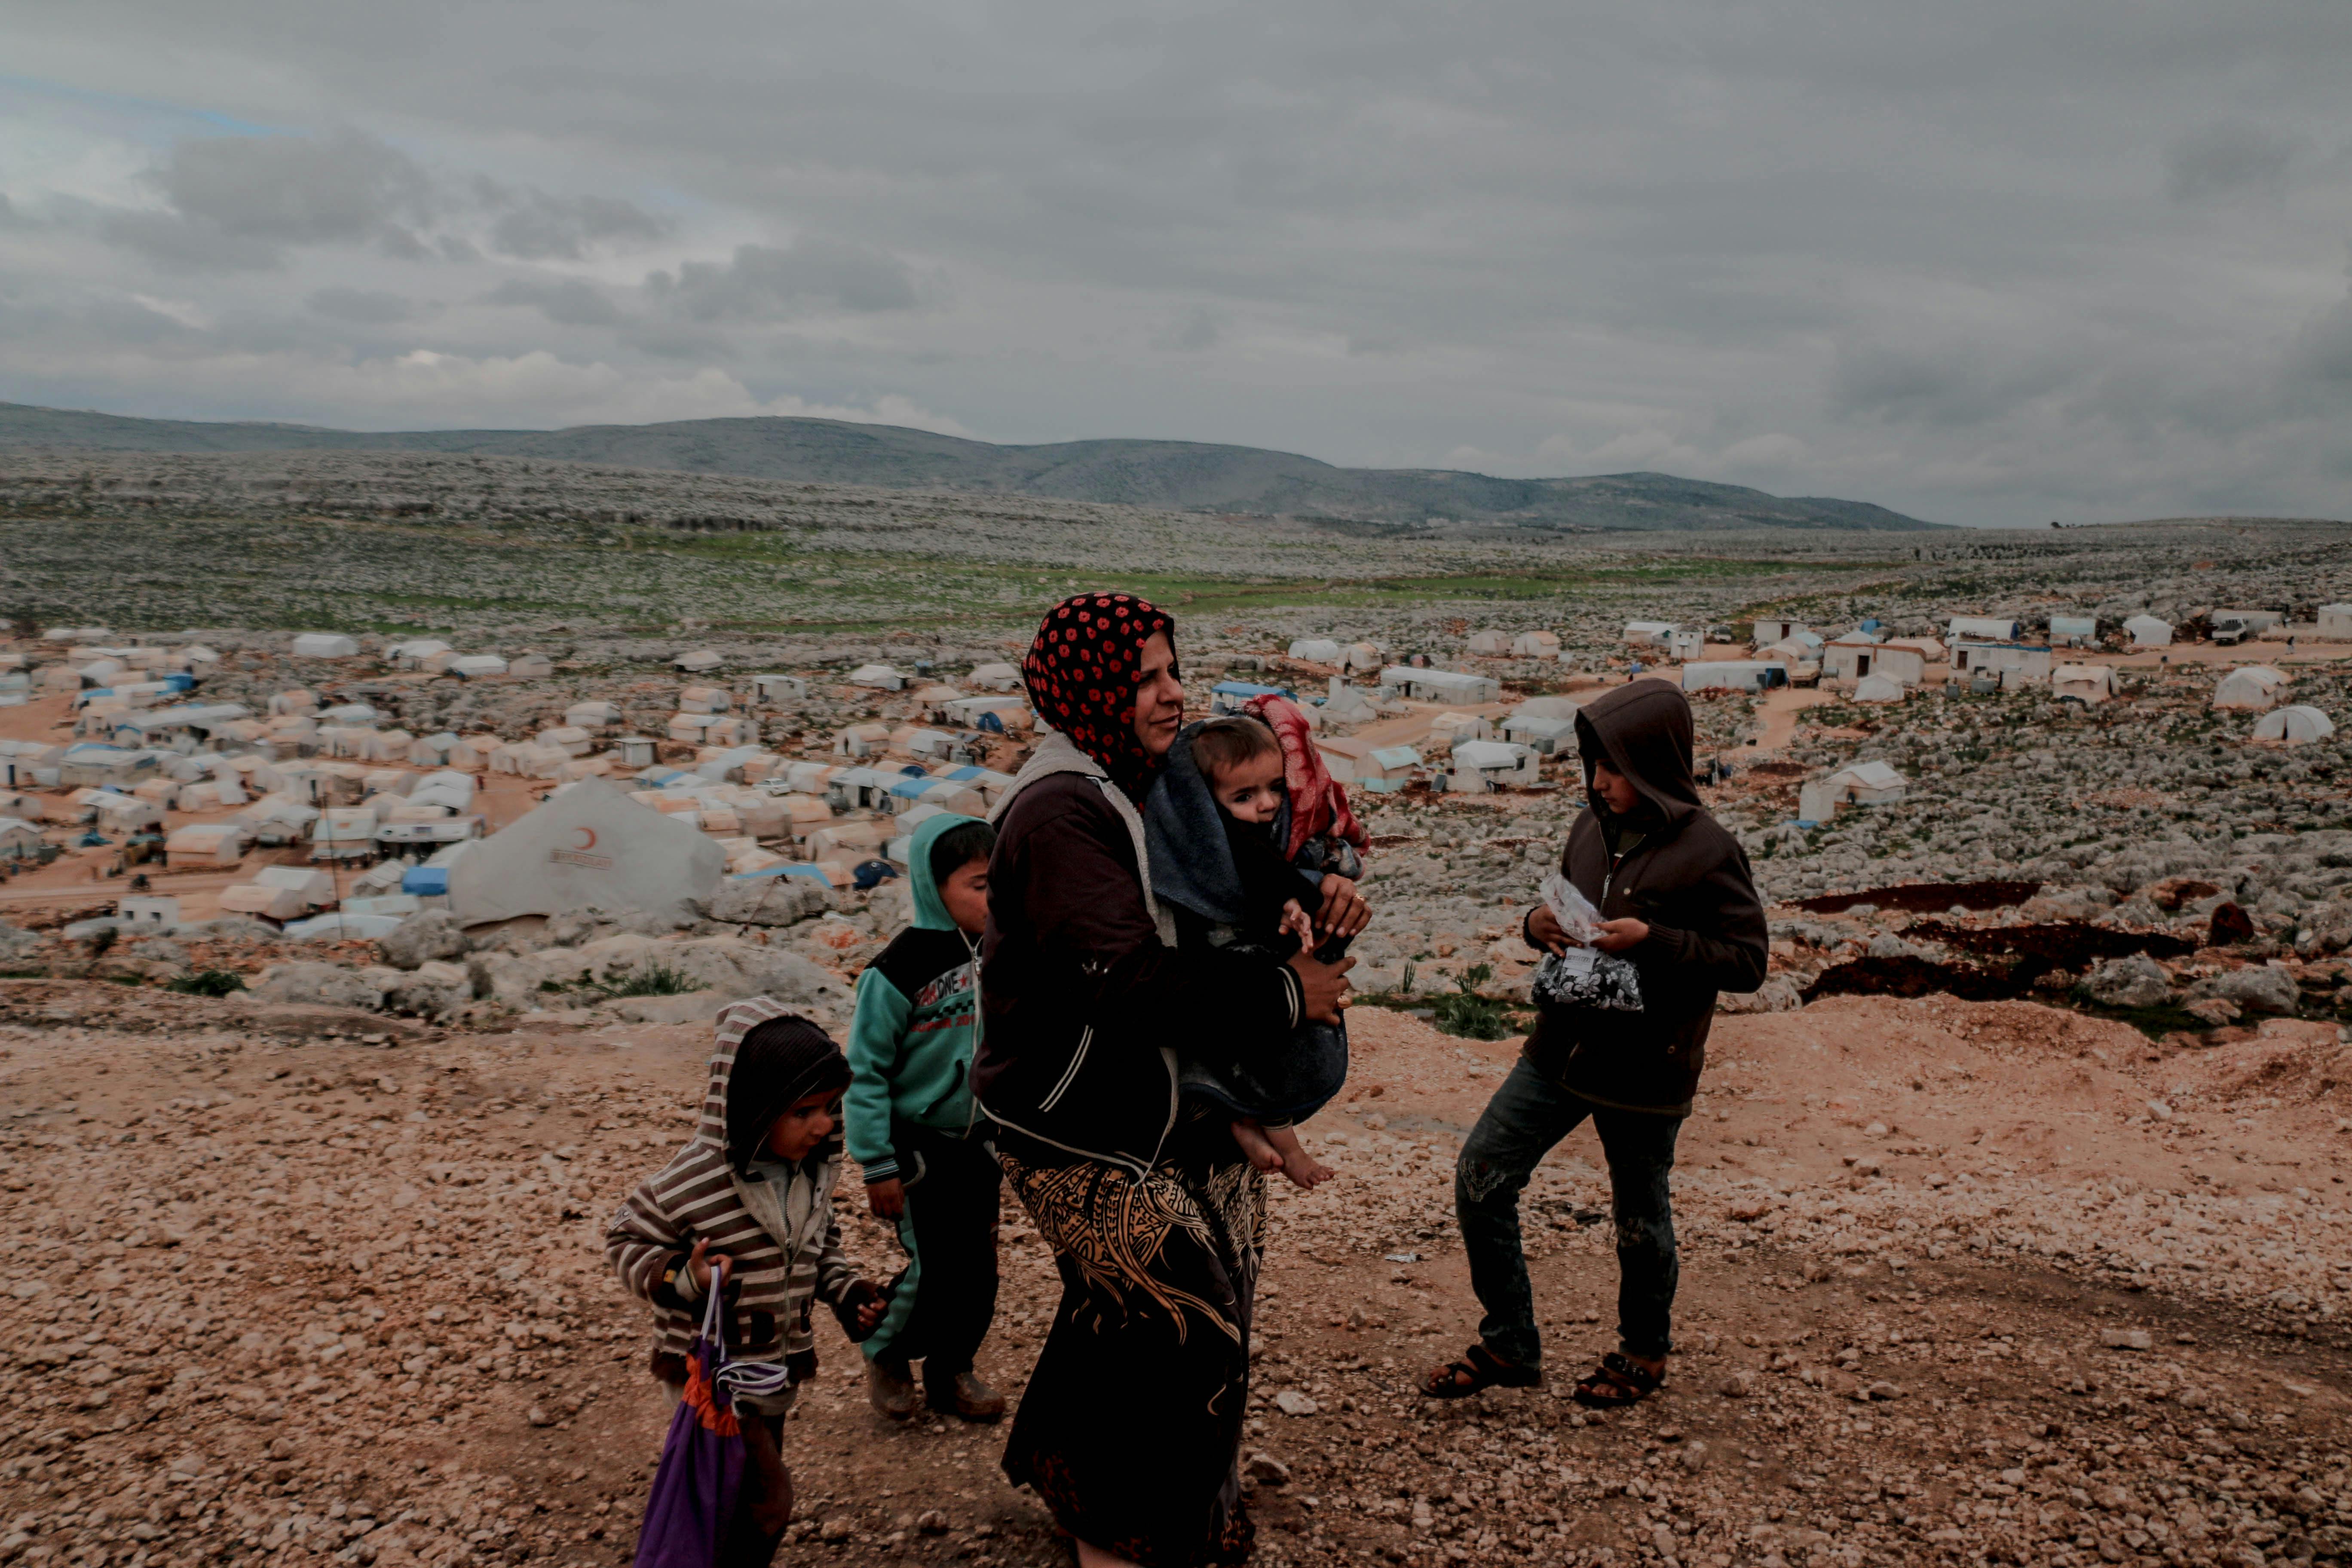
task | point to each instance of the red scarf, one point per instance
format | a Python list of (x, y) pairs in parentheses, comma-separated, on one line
[(1080, 673), (1318, 807)]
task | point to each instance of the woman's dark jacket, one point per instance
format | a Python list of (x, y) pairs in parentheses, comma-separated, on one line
[(1084, 993), (1680, 871)]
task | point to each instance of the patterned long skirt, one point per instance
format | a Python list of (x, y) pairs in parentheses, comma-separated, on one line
[(1130, 1430)]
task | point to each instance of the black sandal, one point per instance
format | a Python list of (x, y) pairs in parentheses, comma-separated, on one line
[(1479, 1369), (1615, 1384)]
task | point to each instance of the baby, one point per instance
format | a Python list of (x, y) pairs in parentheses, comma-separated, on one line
[(1257, 894)]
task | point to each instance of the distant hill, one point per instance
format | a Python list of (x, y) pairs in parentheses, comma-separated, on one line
[(1183, 475)]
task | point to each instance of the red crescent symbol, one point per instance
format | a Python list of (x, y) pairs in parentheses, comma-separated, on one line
[(587, 838)]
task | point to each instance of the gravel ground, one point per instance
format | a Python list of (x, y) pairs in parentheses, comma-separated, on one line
[(1954, 1290)]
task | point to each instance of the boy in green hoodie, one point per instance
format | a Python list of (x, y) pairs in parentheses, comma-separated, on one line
[(912, 1127)]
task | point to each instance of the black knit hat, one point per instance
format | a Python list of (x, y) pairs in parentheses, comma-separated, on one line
[(778, 1062)]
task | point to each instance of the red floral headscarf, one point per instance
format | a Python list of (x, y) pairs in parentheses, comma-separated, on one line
[(1080, 673)]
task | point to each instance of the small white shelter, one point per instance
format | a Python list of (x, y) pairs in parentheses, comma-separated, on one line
[(1319, 650), (2089, 684), (1485, 645), (1440, 684), (412, 653), (2296, 725), (477, 667), (315, 889), (877, 676), (1869, 783), (205, 844), (1982, 628), (1648, 634), (587, 844), (2147, 631), (530, 666), (1778, 628), (2251, 687), (2073, 631), (1751, 675), (1492, 764), (2335, 622), (780, 687), (1878, 688), (993, 676), (325, 645), (696, 662), (19, 839)]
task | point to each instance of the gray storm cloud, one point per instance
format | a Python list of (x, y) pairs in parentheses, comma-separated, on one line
[(1992, 263)]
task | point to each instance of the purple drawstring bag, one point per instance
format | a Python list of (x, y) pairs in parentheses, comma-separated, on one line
[(703, 1462)]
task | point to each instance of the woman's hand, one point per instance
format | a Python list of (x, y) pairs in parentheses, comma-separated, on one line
[(1544, 928), (1324, 985), (886, 1197), (1344, 911), (1618, 935)]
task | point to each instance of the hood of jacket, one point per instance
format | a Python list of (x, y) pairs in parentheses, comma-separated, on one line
[(1190, 860), (733, 1023), (931, 909), (1645, 729)]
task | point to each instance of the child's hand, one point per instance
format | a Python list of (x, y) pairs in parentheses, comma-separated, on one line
[(1618, 935), (1294, 922), (1344, 911), (871, 1304), (886, 1197), (697, 1263), (1549, 934)]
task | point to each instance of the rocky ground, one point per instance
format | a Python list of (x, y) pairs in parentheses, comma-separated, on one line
[(1962, 1282)]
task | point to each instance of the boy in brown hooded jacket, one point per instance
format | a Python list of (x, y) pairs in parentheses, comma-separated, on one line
[(1677, 900)]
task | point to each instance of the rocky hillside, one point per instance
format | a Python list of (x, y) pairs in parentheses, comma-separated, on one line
[(1187, 474)]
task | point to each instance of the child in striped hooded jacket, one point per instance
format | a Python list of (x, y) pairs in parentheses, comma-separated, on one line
[(754, 1185)]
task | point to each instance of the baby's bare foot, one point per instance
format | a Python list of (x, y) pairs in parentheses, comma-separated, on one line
[(1305, 1170), (1301, 1167), (1256, 1146)]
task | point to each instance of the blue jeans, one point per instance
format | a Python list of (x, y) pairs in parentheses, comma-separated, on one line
[(1530, 1113)]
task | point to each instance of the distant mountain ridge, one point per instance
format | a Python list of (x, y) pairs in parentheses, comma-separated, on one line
[(1190, 476)]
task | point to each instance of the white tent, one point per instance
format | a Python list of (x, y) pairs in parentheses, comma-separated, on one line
[(325, 645), (475, 665), (1869, 783), (530, 666), (313, 888), (1484, 643), (261, 899), (1316, 650), (409, 655), (698, 661), (1878, 688), (878, 675), (2294, 726), (1536, 644), (205, 844), (993, 676), (2146, 631), (2251, 686), (589, 844), (1983, 628), (2085, 683)]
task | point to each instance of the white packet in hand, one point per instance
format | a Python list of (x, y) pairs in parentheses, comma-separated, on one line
[(1572, 910)]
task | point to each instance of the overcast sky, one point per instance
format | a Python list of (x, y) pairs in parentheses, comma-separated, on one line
[(1987, 263)]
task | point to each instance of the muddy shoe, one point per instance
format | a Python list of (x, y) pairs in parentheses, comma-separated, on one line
[(968, 1397), (891, 1388)]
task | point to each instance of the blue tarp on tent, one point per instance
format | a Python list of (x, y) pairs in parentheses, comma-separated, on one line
[(426, 880)]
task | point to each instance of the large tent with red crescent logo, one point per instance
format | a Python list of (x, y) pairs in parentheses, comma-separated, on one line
[(587, 844)]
